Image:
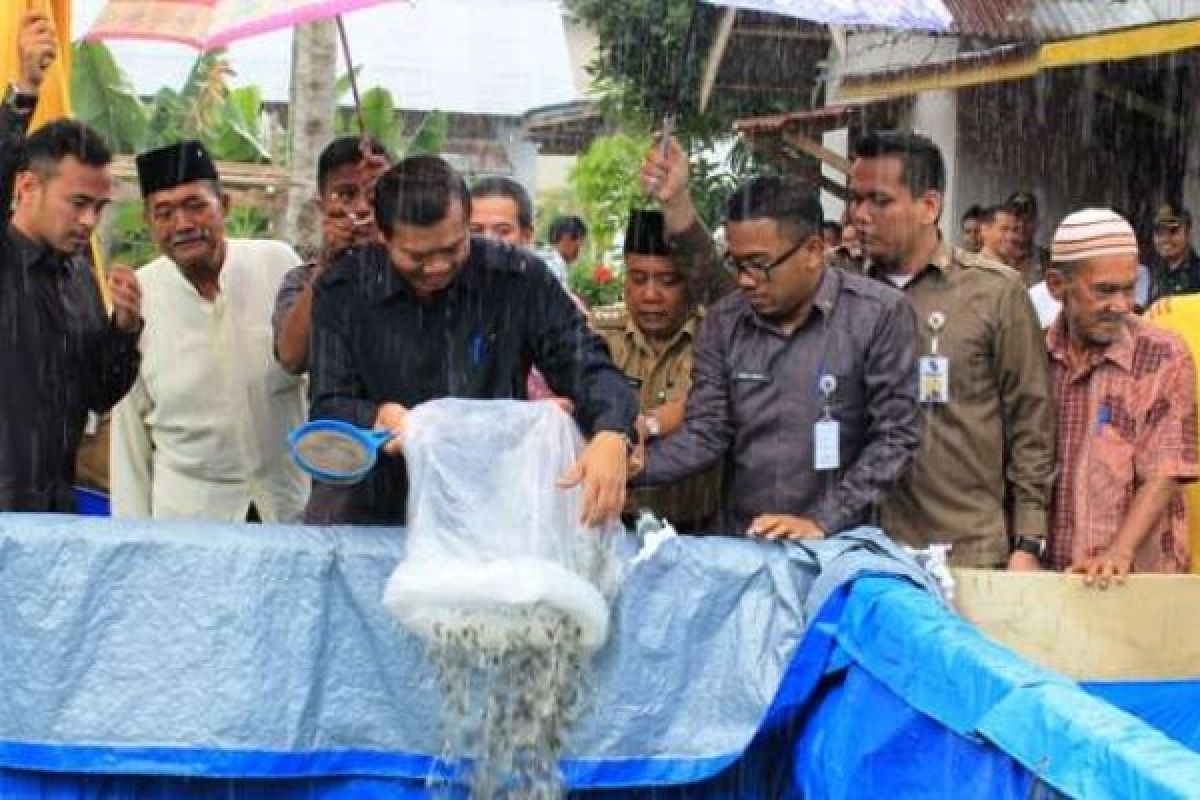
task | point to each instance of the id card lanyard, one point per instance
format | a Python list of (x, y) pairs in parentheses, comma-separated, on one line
[(827, 431), (934, 369)]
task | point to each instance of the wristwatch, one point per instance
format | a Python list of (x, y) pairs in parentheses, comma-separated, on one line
[(20, 102), (1033, 545)]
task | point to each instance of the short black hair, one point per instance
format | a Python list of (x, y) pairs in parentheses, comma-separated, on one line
[(418, 191), (499, 186), (832, 225), (569, 225), (793, 204), (975, 212), (922, 170), (345, 151), (45, 149), (989, 213)]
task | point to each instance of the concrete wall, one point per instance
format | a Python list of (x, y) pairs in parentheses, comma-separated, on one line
[(935, 114)]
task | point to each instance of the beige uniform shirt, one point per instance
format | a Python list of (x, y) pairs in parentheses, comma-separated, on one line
[(986, 465), (660, 378)]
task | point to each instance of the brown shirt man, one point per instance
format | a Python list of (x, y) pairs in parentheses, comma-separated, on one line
[(987, 455), (660, 378)]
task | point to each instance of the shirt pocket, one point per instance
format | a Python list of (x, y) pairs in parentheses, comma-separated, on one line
[(752, 392), (1107, 472)]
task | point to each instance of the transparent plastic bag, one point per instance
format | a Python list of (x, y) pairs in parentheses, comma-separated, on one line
[(489, 530)]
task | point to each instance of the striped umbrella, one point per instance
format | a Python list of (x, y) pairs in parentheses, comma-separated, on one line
[(209, 24)]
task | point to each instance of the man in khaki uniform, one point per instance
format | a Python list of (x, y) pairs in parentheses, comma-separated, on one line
[(651, 337), (983, 478)]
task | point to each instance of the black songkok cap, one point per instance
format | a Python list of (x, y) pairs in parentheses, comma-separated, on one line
[(174, 165), (645, 234)]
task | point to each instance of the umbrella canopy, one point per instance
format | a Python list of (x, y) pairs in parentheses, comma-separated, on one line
[(929, 15), (208, 24)]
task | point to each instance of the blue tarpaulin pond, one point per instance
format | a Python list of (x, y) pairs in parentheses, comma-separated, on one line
[(191, 660)]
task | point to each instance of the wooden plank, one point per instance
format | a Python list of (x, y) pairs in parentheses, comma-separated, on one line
[(817, 151), (1143, 629)]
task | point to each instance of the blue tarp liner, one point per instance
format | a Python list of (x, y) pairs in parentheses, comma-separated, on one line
[(191, 660)]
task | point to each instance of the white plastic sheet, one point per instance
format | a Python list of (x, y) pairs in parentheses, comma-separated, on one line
[(488, 527)]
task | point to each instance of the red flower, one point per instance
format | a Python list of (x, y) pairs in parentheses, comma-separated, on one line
[(603, 274)]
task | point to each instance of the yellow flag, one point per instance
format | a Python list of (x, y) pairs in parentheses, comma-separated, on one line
[(55, 96), (1182, 315)]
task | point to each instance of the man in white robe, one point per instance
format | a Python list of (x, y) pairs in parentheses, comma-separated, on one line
[(202, 434)]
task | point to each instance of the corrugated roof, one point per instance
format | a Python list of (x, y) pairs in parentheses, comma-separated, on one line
[(818, 119), (1060, 19)]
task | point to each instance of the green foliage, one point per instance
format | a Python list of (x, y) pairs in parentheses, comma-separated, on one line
[(430, 136), (639, 48), (383, 122), (103, 97), (247, 222), (599, 283), (129, 240), (239, 135), (228, 121), (605, 183)]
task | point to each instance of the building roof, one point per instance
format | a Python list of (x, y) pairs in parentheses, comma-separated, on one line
[(497, 57)]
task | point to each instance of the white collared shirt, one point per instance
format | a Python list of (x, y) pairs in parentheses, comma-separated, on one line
[(202, 433)]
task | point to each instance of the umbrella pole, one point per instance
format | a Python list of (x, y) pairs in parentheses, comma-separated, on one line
[(358, 109)]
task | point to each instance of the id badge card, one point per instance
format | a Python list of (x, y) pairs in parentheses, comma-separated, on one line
[(935, 379), (826, 445)]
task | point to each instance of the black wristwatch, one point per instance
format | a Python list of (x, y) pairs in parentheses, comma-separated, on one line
[(1034, 546), (20, 102)]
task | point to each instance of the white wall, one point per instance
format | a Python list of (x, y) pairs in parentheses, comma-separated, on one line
[(935, 114)]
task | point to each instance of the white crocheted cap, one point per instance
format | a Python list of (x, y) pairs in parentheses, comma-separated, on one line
[(1092, 233)]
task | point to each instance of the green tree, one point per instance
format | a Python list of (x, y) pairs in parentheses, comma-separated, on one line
[(103, 97), (228, 121), (605, 183), (382, 120), (639, 49)]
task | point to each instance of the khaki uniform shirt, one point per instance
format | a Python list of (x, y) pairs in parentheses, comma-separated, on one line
[(986, 464), (660, 378)]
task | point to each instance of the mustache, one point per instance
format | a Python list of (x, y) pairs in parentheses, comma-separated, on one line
[(188, 238)]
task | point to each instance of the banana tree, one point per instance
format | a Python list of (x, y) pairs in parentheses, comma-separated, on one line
[(228, 121)]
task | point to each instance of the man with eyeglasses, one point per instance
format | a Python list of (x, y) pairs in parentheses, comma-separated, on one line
[(432, 312), (201, 434), (1176, 267), (802, 377), (983, 477)]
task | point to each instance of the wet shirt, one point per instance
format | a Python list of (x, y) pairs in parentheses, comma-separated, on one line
[(60, 355), (373, 341), (988, 453), (658, 378), (1184, 279), (1125, 417), (756, 398)]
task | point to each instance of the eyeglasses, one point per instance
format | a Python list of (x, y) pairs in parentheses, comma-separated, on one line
[(759, 272), (1168, 227)]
